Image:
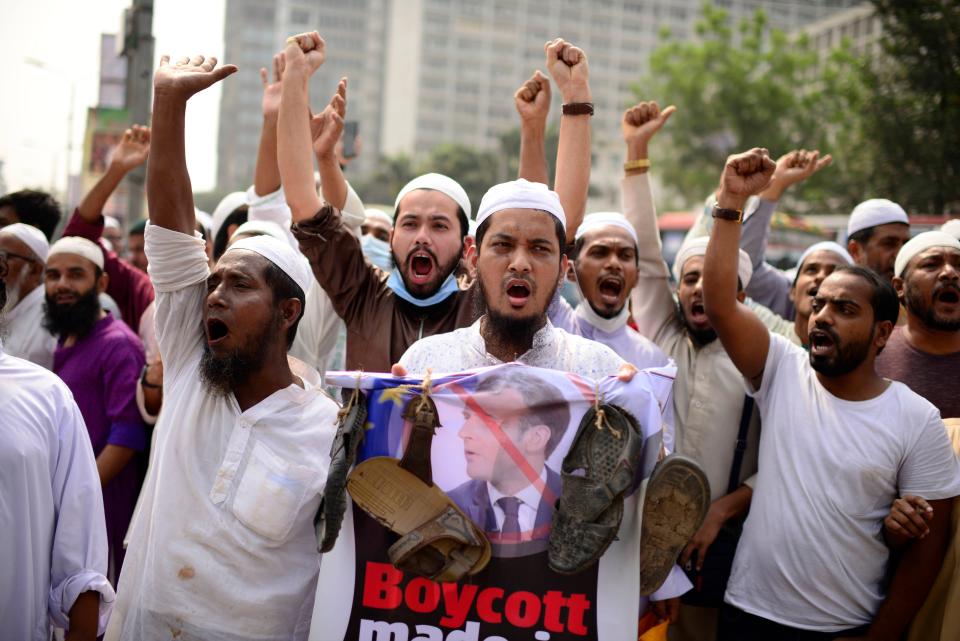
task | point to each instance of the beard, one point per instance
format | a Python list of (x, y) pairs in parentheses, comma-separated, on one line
[(917, 306), (222, 374), (73, 319), (512, 330), (699, 336), (847, 356), (443, 271)]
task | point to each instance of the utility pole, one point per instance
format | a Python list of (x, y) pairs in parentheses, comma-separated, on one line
[(138, 50)]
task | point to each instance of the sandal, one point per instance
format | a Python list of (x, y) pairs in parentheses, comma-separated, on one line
[(343, 453), (676, 502), (597, 472)]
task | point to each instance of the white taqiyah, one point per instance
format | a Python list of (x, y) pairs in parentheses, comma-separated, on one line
[(521, 194), (921, 243), (437, 182), (31, 237), (280, 253), (698, 247), (603, 219), (874, 212), (79, 247)]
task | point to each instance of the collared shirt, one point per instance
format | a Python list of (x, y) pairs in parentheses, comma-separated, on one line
[(223, 546), (54, 543), (529, 498), (25, 336)]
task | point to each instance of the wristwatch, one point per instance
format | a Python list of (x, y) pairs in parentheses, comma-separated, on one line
[(736, 215), (578, 109)]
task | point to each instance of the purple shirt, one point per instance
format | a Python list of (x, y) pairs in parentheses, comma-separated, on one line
[(101, 369)]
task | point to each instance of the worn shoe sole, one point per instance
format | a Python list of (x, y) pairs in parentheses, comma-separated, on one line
[(343, 454), (674, 507)]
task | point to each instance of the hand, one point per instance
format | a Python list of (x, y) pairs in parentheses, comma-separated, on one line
[(188, 76), (668, 610), (326, 127), (270, 105), (909, 518), (304, 53), (744, 175), (702, 539), (792, 168), (626, 372), (398, 370), (567, 66), (642, 121), (133, 149), (154, 375), (532, 100)]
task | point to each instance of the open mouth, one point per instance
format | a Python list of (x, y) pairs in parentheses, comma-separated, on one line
[(217, 331), (421, 267), (812, 291), (698, 314), (948, 295), (518, 292), (821, 343), (65, 299), (610, 290)]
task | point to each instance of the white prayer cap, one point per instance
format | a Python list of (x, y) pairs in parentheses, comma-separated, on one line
[(827, 245), (921, 243), (698, 247), (521, 194), (873, 212), (225, 207), (261, 228), (79, 247), (205, 219), (437, 182), (472, 228), (281, 254), (378, 214), (109, 222), (952, 227), (31, 237), (603, 219)]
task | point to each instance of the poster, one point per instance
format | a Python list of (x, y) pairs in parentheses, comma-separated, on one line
[(504, 433)]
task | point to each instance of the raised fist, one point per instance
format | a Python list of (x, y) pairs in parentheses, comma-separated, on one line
[(188, 76), (567, 66), (326, 127), (271, 90), (744, 175), (532, 99), (305, 52), (643, 120), (133, 149)]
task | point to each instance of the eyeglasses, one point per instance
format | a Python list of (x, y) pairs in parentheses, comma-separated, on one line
[(4, 255)]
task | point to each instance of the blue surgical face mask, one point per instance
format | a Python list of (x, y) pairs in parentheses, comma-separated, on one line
[(377, 252)]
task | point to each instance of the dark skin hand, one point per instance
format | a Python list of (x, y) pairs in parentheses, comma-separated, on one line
[(667, 610), (84, 617)]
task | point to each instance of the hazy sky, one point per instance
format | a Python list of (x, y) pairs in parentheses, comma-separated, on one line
[(65, 35)]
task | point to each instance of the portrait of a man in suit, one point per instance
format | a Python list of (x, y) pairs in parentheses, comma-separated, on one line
[(511, 426)]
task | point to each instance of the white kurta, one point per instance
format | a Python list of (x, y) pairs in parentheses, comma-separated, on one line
[(25, 336), (53, 545), (223, 546)]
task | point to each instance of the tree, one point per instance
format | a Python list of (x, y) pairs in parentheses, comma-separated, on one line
[(384, 183), (475, 170)]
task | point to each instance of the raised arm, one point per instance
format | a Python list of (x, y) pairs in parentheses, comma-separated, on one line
[(303, 54), (743, 335), (266, 174), (325, 129), (132, 152), (532, 101), (169, 193), (568, 67)]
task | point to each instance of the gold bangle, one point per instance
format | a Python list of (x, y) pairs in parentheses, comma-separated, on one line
[(639, 163)]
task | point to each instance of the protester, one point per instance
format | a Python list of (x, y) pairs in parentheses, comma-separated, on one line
[(385, 314), (135, 246), (100, 359), (375, 239), (54, 548), (113, 234), (924, 354), (876, 231), (25, 248), (223, 546), (35, 208), (840, 442), (952, 227)]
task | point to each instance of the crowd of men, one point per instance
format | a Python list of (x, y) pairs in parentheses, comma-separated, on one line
[(166, 430)]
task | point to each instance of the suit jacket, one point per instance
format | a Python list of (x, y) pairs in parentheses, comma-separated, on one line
[(472, 497)]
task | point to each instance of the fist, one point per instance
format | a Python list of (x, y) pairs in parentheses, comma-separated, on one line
[(133, 149), (188, 76), (304, 52), (567, 65), (744, 175), (643, 120), (532, 99)]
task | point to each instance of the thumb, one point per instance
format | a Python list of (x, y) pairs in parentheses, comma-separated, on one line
[(222, 72), (666, 113), (263, 77)]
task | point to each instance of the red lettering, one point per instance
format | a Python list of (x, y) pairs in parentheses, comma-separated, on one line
[(380, 586), (422, 595), (578, 605), (485, 602), (522, 609), (457, 605), (553, 602)]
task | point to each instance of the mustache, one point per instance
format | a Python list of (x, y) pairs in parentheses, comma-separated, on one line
[(826, 329), (418, 248), (945, 287)]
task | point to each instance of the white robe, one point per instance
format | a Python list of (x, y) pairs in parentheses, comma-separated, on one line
[(24, 335)]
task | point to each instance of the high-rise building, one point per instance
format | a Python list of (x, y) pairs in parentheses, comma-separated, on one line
[(425, 72)]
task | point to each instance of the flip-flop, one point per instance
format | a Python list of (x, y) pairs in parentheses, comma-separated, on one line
[(351, 423), (675, 504), (597, 472)]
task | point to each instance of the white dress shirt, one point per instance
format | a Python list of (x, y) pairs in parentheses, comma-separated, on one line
[(54, 542), (24, 335), (223, 546)]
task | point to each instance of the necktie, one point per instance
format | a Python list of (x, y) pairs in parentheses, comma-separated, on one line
[(511, 513)]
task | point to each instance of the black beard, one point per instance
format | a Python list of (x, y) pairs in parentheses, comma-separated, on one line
[(75, 319), (511, 334), (443, 270), (700, 336), (927, 316), (848, 356), (3, 294), (222, 374)]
